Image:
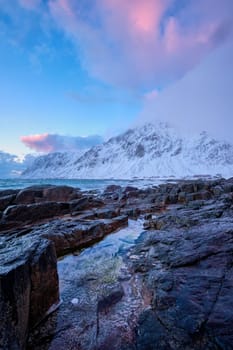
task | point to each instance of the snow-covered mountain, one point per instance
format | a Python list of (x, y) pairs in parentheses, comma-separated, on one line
[(146, 151), (53, 165)]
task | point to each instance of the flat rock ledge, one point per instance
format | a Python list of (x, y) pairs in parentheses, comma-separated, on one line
[(184, 258)]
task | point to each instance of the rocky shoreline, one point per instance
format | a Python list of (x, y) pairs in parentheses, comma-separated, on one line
[(172, 291)]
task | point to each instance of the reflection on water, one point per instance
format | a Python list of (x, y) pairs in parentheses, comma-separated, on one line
[(101, 260)]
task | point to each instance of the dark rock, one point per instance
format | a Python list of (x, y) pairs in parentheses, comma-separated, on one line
[(6, 201), (47, 193), (111, 297), (61, 194), (147, 216), (44, 294), (151, 334), (69, 236), (171, 199), (189, 272), (182, 197), (79, 204), (106, 213), (28, 288), (34, 212), (175, 291), (30, 195), (201, 195), (130, 189), (85, 203), (9, 192), (112, 189), (217, 190), (116, 223)]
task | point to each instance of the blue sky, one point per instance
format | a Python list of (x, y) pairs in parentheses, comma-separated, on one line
[(79, 68)]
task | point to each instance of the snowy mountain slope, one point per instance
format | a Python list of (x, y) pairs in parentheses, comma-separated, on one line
[(147, 151), (52, 165)]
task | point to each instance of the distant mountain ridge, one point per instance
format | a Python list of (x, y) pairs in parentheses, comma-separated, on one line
[(146, 151)]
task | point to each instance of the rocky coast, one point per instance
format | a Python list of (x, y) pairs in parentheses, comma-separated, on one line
[(122, 269)]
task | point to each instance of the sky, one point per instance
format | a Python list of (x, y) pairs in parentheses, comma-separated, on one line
[(71, 69)]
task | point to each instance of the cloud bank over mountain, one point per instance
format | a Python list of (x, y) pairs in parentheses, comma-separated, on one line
[(202, 100)]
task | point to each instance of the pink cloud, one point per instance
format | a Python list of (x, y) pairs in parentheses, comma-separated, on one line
[(38, 142), (145, 43), (56, 143)]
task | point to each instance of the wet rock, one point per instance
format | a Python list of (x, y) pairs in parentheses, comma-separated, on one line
[(176, 292), (34, 212), (28, 288), (188, 270), (111, 297), (30, 195), (85, 203), (69, 236), (9, 192), (78, 205), (116, 223), (6, 201), (150, 332), (148, 216), (130, 189), (61, 193), (107, 213), (44, 295), (47, 193), (112, 189)]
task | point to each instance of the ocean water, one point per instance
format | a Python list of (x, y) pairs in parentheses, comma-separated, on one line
[(85, 184)]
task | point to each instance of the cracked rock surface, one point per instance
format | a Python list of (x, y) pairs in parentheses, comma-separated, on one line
[(189, 270)]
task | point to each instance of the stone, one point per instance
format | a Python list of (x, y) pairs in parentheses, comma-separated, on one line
[(28, 288), (70, 235), (6, 201), (44, 293), (32, 213), (85, 203), (47, 193), (111, 297), (171, 290), (10, 192), (189, 272), (61, 194), (112, 189)]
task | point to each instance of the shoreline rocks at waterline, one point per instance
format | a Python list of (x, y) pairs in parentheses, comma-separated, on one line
[(183, 259)]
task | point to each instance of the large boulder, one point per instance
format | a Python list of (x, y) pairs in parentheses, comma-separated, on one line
[(6, 201), (31, 213), (28, 287), (47, 193), (70, 235)]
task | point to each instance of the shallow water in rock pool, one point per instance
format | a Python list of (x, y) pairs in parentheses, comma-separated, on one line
[(100, 298)]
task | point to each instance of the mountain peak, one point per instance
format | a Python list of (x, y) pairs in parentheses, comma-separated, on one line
[(153, 149)]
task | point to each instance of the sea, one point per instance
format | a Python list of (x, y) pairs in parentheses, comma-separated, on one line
[(83, 184), (94, 184)]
